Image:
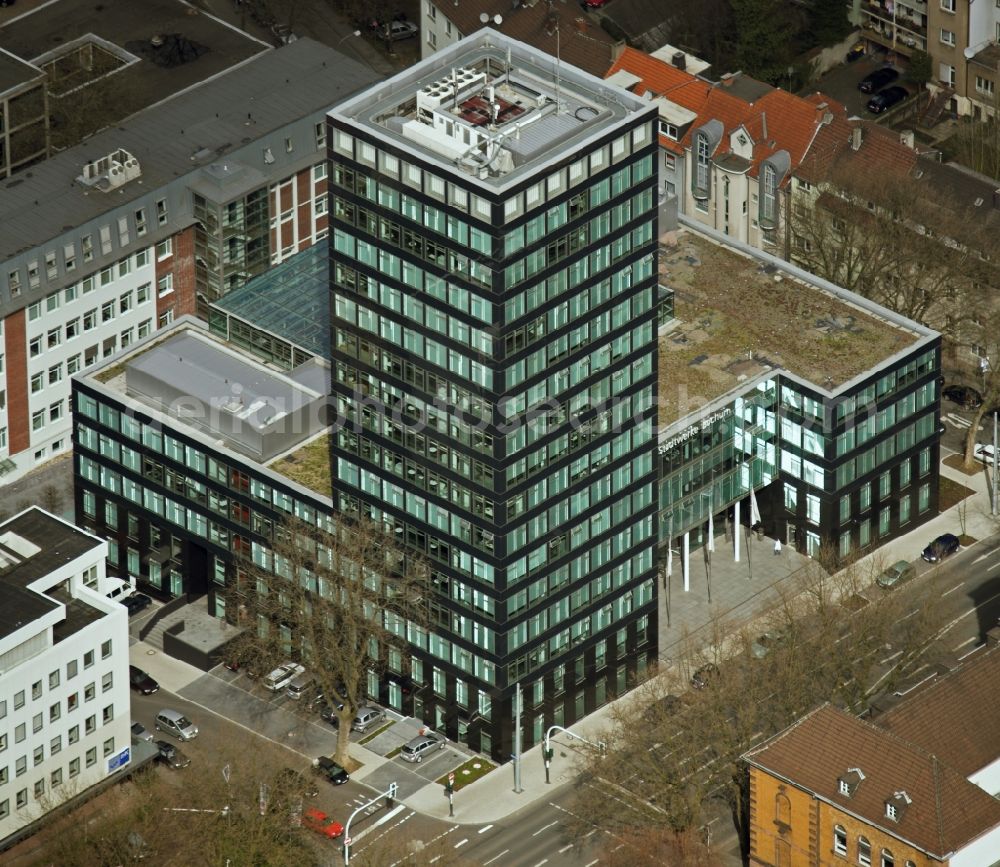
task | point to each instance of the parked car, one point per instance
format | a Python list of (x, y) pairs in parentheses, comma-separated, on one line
[(141, 733), (397, 30), (301, 684), (328, 768), (886, 99), (897, 573), (321, 823), (171, 756), (141, 682), (415, 749), (878, 79), (765, 643), (941, 547), (594, 4), (984, 452), (174, 723), (856, 53), (366, 717), (136, 602), (293, 783), (283, 675), (705, 675), (965, 396)]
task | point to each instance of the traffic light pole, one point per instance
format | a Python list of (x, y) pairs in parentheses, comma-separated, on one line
[(449, 790), (547, 751), (389, 794)]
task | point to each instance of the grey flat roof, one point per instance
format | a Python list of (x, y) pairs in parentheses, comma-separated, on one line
[(51, 544), (128, 23), (290, 300), (14, 71), (547, 110), (203, 369), (274, 88)]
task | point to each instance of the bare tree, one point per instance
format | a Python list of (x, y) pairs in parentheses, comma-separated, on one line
[(673, 754), (342, 601), (908, 248)]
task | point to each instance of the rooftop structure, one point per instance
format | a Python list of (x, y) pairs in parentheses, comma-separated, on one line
[(221, 393), (283, 314), (738, 317), (491, 108)]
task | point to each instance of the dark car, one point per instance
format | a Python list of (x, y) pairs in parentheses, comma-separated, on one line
[(136, 602), (886, 99), (171, 756), (141, 682), (705, 675), (965, 396), (330, 770), (878, 79), (941, 547)]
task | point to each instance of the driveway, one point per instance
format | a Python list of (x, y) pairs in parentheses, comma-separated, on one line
[(841, 83), (411, 777)]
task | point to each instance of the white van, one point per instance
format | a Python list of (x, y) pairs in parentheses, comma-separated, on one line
[(176, 724), (300, 685)]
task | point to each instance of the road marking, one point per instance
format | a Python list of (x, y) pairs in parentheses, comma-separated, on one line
[(461, 843), (398, 809), (484, 829), (908, 616), (495, 857), (566, 848), (592, 863), (966, 642), (958, 586), (545, 828), (435, 858), (543, 861), (592, 831), (994, 566)]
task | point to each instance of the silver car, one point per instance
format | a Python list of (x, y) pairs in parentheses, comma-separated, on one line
[(415, 750), (366, 717)]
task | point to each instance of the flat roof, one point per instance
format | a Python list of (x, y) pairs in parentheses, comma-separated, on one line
[(215, 392), (130, 26), (290, 300), (32, 545), (308, 464), (491, 107), (193, 132), (14, 71), (739, 316)]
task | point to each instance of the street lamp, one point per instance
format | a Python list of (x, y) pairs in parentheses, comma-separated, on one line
[(547, 750), (348, 36)]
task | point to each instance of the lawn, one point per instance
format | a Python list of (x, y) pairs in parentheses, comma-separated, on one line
[(377, 732), (951, 493), (469, 772), (309, 466)]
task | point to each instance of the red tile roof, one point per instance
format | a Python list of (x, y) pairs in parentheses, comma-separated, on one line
[(778, 120), (955, 717), (945, 812)]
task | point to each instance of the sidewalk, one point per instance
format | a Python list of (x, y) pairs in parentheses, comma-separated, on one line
[(492, 797)]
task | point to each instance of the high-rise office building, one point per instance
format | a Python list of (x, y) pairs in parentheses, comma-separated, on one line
[(494, 280)]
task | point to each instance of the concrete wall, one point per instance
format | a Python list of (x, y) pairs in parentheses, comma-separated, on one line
[(827, 58)]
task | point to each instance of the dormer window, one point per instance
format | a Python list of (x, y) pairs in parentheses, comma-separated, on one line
[(848, 782), (669, 130), (895, 807)]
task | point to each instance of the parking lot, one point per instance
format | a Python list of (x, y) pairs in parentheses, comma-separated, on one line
[(841, 83)]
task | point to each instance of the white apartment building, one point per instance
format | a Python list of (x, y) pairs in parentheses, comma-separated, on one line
[(153, 219), (64, 692)]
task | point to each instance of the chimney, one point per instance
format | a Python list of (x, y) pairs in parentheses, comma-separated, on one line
[(857, 135), (907, 138), (679, 60), (727, 79), (823, 114)]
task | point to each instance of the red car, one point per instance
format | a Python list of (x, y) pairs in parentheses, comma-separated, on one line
[(321, 823)]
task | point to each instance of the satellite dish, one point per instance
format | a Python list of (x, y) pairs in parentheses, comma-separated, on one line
[(498, 20), (484, 17)]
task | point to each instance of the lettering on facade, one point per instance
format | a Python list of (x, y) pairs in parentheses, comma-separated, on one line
[(699, 427)]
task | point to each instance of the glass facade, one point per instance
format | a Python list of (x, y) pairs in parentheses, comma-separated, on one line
[(495, 359)]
